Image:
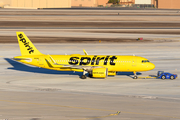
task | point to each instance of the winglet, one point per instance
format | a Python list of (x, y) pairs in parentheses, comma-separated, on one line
[(85, 52)]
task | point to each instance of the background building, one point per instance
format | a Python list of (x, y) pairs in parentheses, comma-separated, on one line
[(127, 2), (169, 4), (143, 1), (138, 2), (4, 2), (166, 4), (102, 2), (38, 3), (88, 3)]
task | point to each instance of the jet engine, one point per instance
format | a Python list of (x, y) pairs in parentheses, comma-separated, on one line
[(99, 72)]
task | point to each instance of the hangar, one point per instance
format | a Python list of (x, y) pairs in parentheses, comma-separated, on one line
[(88, 3), (39, 3), (169, 4), (137, 2), (164, 4), (142, 1)]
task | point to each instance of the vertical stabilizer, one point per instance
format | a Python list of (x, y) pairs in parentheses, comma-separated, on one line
[(26, 46)]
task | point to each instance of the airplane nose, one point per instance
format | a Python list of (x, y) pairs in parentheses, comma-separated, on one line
[(152, 66)]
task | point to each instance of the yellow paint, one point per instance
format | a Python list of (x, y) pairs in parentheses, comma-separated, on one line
[(26, 46), (99, 116), (79, 63), (85, 52)]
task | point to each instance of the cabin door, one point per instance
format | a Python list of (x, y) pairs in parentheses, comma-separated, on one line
[(134, 61)]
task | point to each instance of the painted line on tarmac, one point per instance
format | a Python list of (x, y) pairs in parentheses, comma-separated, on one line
[(118, 112), (57, 105), (94, 109), (99, 116)]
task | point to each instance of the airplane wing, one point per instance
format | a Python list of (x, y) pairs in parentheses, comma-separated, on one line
[(56, 65)]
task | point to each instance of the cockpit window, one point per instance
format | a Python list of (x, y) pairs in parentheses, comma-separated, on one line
[(145, 61)]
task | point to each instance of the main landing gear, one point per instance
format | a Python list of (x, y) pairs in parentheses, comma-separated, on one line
[(90, 74), (135, 76), (84, 75)]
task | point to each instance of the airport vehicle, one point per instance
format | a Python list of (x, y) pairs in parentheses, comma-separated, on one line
[(165, 75), (161, 75), (98, 66)]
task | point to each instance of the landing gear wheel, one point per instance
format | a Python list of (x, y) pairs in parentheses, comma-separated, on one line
[(83, 77), (163, 77), (135, 77), (172, 77), (90, 75)]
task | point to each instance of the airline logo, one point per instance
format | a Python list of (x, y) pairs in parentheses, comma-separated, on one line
[(94, 61), (26, 44)]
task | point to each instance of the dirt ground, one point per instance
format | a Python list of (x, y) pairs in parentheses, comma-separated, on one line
[(92, 12), (175, 32), (13, 39), (104, 21), (86, 24)]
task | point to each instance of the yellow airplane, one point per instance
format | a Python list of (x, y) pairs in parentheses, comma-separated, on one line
[(98, 66)]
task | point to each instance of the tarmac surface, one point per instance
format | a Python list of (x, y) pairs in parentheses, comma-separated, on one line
[(31, 93)]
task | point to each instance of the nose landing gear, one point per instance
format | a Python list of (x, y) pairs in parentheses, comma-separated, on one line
[(135, 76)]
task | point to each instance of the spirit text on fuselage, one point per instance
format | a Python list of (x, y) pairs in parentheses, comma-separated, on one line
[(92, 61)]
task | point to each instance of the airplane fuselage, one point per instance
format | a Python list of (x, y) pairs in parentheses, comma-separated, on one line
[(98, 66), (113, 63)]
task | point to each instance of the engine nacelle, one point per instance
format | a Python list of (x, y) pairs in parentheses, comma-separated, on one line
[(99, 72)]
